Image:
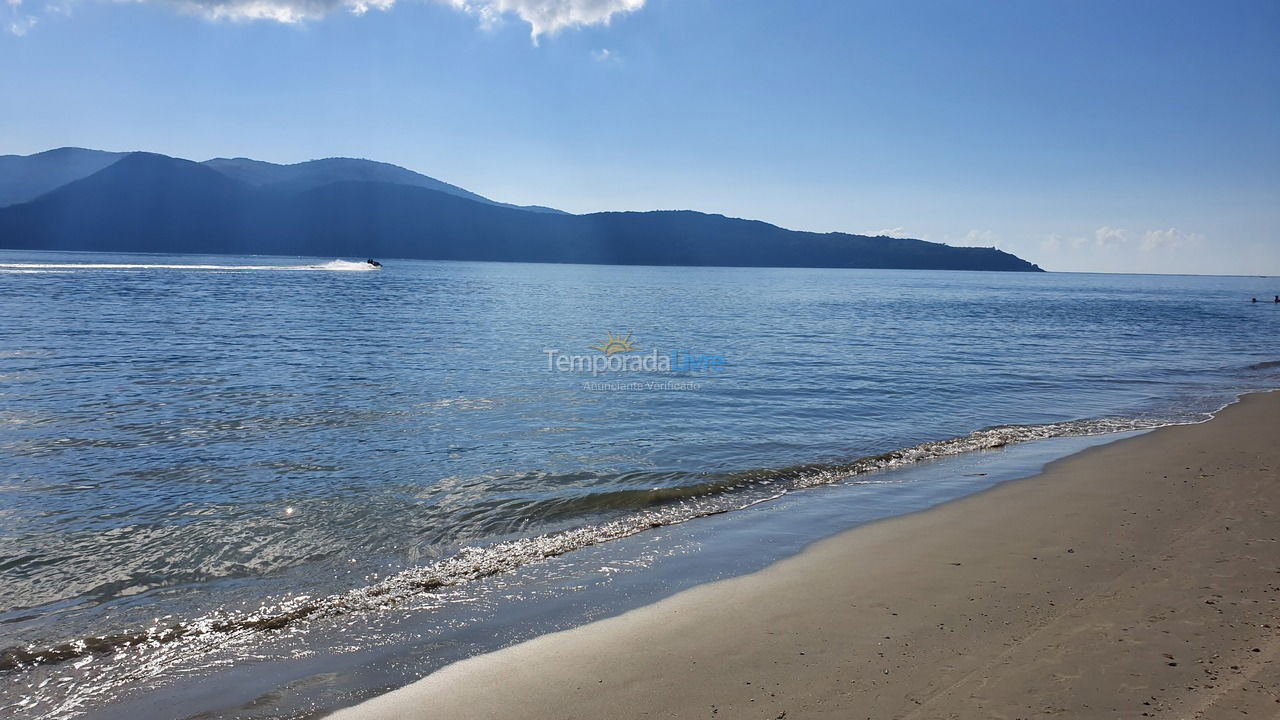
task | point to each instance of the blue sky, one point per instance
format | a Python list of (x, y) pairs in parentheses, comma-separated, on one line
[(1112, 136)]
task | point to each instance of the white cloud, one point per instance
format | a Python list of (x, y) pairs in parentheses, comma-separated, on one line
[(1109, 236), (893, 232), (1171, 239), (1149, 241), (545, 17), (281, 11), (15, 20), (605, 55), (980, 238), (548, 17)]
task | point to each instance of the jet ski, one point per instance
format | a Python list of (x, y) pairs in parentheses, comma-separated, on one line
[(374, 263)]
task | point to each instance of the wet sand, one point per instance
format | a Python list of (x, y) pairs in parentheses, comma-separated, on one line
[(1137, 579)]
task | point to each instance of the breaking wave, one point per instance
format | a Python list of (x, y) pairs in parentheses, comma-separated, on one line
[(649, 509)]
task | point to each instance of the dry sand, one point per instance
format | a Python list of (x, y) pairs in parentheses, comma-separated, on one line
[(1137, 579)]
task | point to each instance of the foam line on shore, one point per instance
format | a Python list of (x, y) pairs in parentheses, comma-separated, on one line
[(1133, 578), (735, 492)]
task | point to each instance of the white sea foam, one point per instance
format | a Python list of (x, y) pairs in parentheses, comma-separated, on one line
[(342, 266), (144, 653), (473, 563)]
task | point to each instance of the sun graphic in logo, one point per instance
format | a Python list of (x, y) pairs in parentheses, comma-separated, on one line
[(613, 345)]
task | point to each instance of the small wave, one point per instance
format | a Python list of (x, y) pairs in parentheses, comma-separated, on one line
[(1266, 364), (331, 266), (711, 496)]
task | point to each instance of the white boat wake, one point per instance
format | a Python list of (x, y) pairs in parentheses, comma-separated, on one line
[(331, 266)]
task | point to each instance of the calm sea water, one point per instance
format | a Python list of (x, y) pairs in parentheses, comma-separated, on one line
[(190, 456)]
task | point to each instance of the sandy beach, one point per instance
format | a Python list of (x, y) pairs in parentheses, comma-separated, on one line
[(1137, 579)]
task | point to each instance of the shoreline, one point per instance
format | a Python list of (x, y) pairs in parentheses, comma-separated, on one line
[(1135, 577), (671, 559)]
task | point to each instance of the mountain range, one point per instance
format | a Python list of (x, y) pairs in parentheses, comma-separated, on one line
[(78, 199)]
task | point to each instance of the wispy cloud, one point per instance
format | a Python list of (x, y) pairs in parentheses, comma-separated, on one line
[(544, 17), (1119, 249), (893, 232), (980, 238), (1170, 239), (16, 20), (281, 11), (548, 17), (1107, 237)]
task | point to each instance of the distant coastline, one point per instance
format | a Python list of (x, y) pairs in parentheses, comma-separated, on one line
[(71, 199)]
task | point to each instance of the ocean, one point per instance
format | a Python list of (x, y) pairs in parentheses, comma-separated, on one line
[(262, 487)]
